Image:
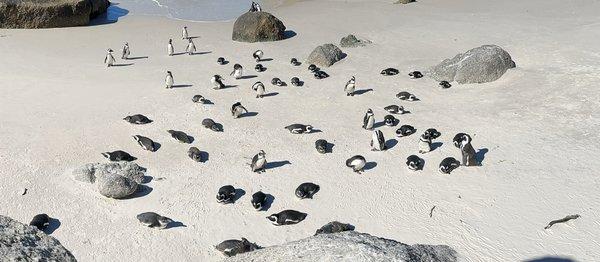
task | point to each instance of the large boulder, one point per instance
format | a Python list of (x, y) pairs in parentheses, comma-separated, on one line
[(325, 55), (349, 246), (20, 242), (114, 180), (479, 65), (49, 13), (257, 27)]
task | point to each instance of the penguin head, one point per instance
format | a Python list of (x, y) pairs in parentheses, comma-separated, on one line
[(312, 67), (369, 111), (262, 153), (168, 72), (185, 27), (109, 50), (257, 205), (273, 218), (170, 41), (164, 221), (127, 118), (309, 128), (353, 79), (411, 97)]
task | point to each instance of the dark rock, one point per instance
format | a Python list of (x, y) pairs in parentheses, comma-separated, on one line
[(257, 27), (353, 41), (49, 14), (325, 55)]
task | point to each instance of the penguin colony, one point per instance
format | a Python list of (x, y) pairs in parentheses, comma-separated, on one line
[(228, 194)]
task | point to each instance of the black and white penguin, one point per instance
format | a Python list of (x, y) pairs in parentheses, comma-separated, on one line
[(259, 162), (307, 190), (299, 128), (191, 48), (259, 88), (313, 68), (295, 62), (257, 55), (357, 163), (154, 220), (433, 133), (212, 125), (40, 221), (467, 150), (445, 84), (368, 120), (259, 200), (414, 162), (109, 59), (180, 136), (389, 71), (395, 109), (221, 60), (277, 82), (259, 68), (334, 227), (448, 164), (125, 52), (296, 81), (257, 7), (226, 194), (145, 143), (405, 130), (169, 80), (390, 120), (217, 82), (287, 217), (350, 86), (119, 155), (233, 247), (199, 99), (237, 71), (137, 119), (321, 146), (415, 74), (238, 110), (320, 75), (406, 96), (425, 143), (378, 141), (195, 154), (458, 139), (170, 48), (184, 33)]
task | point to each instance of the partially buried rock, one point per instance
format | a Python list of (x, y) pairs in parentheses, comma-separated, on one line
[(334, 227), (114, 180), (258, 27), (233, 247), (49, 13), (404, 1), (353, 41), (479, 65), (325, 55)]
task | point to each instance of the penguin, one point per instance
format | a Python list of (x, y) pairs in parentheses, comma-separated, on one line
[(221, 60), (321, 146), (195, 154), (406, 96), (257, 55), (199, 99), (170, 48), (238, 110), (357, 163), (180, 136), (184, 33), (40, 221), (445, 84), (259, 200), (169, 80), (425, 143), (259, 162), (320, 75), (313, 68), (145, 143), (395, 109), (390, 120), (405, 130), (467, 151), (448, 164), (415, 74), (237, 71), (414, 162), (295, 62), (378, 141), (259, 68), (259, 88), (257, 7), (350, 86), (433, 133), (226, 194), (457, 139), (296, 81), (191, 48), (389, 71), (118, 156), (212, 125), (217, 82), (109, 60), (368, 120), (277, 82), (299, 128), (334, 227), (153, 220), (125, 52), (137, 119), (287, 217), (233, 247), (307, 190)]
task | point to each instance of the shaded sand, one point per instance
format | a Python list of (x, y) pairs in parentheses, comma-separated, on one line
[(60, 108)]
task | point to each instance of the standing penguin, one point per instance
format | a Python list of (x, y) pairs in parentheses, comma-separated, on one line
[(237, 71), (217, 82), (259, 162), (467, 150), (369, 120), (237, 110), (377, 141), (350, 86), (125, 52), (259, 88), (109, 60), (170, 49), (257, 55), (424, 143), (191, 48), (184, 33), (169, 80)]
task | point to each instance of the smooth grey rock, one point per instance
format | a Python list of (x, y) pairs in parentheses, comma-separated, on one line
[(257, 27), (114, 180), (20, 242), (325, 55), (349, 246), (404, 1), (49, 13), (353, 41), (479, 65)]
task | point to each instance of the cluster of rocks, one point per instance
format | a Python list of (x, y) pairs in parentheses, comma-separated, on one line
[(48, 14), (114, 180)]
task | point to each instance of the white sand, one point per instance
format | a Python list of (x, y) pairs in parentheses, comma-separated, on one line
[(60, 108)]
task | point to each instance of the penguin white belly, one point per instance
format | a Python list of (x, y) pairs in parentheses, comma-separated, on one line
[(370, 122), (170, 50), (358, 164), (169, 81), (375, 143), (110, 60), (237, 73), (350, 88), (260, 90), (424, 146), (260, 163)]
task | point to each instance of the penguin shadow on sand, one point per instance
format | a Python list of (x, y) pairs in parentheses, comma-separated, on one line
[(378, 124), (287, 34), (248, 76), (268, 202), (436, 145), (249, 114), (369, 166), (265, 60), (480, 155), (179, 53), (181, 86), (137, 58), (271, 94), (142, 190), (122, 64), (53, 225), (228, 86), (276, 164), (551, 259), (239, 193), (362, 91), (175, 224), (204, 156), (202, 53), (391, 143)]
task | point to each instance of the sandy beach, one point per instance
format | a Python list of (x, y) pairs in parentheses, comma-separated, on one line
[(536, 127)]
